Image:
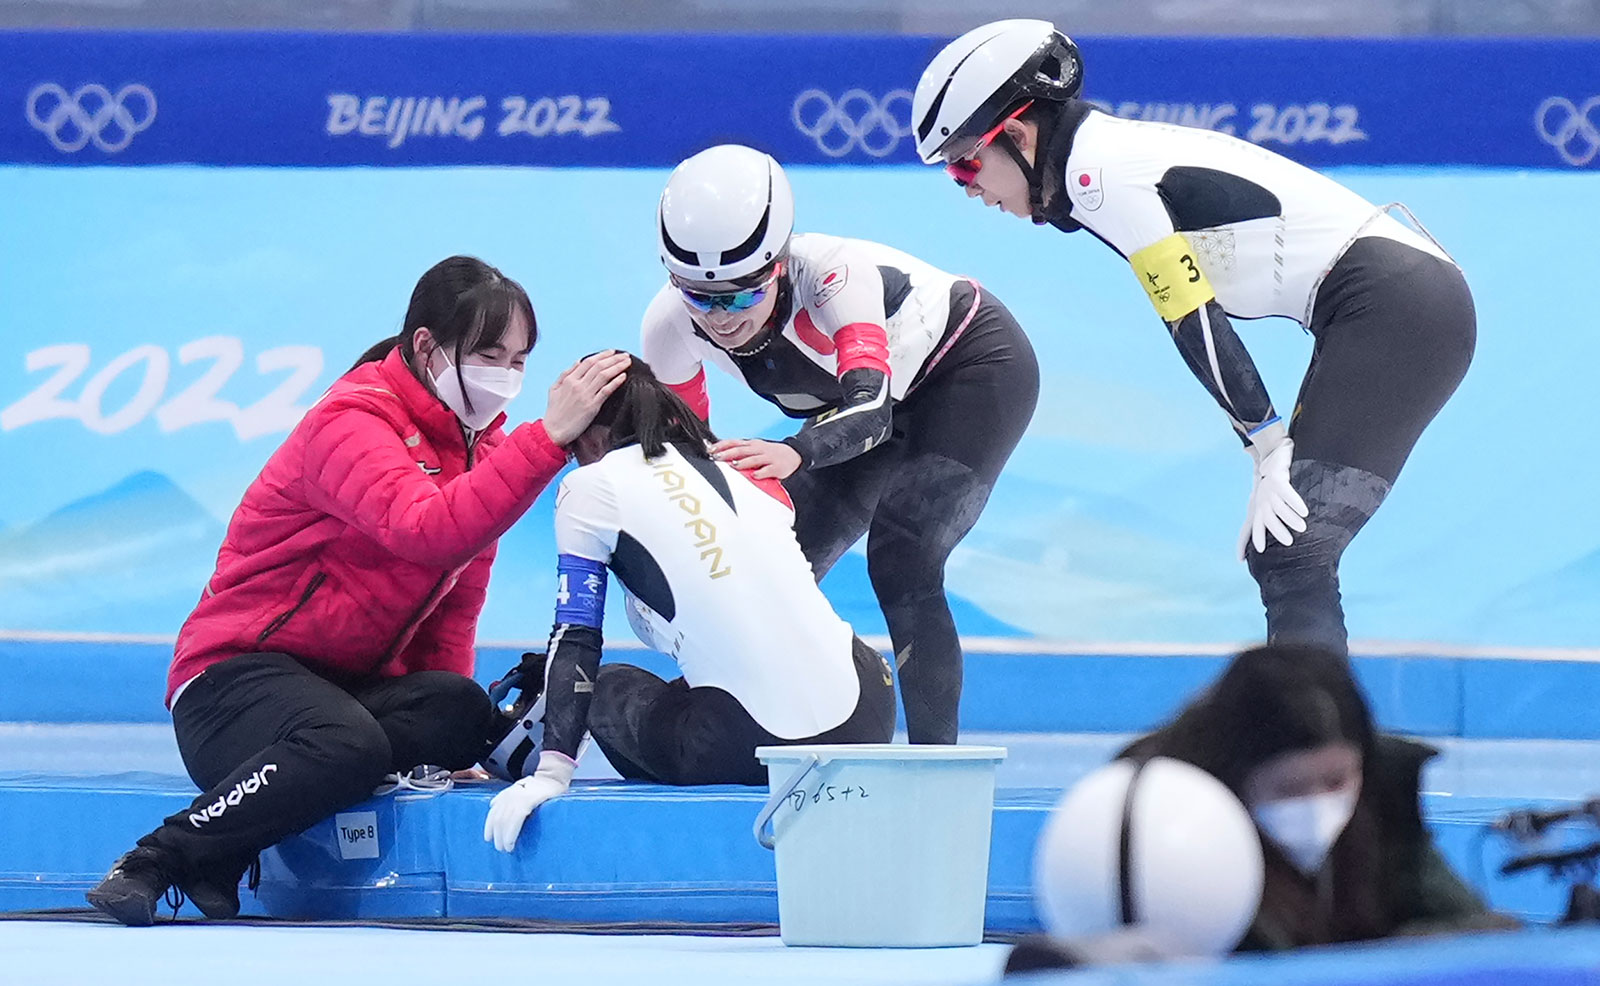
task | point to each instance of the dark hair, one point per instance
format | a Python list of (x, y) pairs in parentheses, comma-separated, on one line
[(1271, 700), (466, 305), (1035, 114), (646, 411)]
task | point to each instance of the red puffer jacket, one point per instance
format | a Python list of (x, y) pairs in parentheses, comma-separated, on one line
[(364, 546)]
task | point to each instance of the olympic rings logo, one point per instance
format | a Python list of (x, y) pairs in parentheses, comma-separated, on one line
[(1577, 138), (92, 113), (855, 120)]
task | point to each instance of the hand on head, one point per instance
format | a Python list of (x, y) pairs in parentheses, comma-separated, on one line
[(577, 394)]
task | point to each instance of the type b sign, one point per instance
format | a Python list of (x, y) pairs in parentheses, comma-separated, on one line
[(357, 834)]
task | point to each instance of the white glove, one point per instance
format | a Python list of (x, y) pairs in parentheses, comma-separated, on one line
[(1274, 504), (511, 807)]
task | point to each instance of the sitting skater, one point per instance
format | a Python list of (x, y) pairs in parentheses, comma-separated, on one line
[(714, 577), (334, 643)]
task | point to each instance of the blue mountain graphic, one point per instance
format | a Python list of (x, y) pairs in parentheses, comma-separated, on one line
[(129, 559)]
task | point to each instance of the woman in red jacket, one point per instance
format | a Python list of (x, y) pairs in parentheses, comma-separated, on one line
[(333, 644)]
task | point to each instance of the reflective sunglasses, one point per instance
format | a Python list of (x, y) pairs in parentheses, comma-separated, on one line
[(733, 301), (965, 168)]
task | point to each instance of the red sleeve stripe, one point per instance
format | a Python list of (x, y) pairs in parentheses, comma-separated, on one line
[(773, 488), (812, 336), (862, 345), (694, 394)]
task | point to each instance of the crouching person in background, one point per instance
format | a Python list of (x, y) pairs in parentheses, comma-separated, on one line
[(334, 642), (714, 577), (1346, 855)]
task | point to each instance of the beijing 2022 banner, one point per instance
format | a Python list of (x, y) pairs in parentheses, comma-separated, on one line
[(327, 100)]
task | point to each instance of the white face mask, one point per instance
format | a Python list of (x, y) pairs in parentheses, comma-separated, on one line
[(1306, 828), (490, 387)]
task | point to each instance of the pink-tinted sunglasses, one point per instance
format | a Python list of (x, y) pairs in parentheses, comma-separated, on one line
[(965, 168)]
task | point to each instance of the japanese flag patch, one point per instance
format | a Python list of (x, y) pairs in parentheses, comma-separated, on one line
[(1083, 184), (829, 283)]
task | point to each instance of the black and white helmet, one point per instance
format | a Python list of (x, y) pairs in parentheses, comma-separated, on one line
[(978, 77), (518, 735), (725, 214)]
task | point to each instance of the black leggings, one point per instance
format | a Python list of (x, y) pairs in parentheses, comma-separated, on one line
[(277, 748), (669, 733), (1395, 330), (918, 494)]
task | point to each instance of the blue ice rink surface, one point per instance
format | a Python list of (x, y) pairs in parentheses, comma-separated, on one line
[(1536, 770), (62, 953)]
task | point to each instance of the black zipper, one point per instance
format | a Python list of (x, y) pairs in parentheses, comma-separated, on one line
[(284, 617), (394, 645)]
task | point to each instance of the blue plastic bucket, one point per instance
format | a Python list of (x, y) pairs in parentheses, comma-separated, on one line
[(880, 845)]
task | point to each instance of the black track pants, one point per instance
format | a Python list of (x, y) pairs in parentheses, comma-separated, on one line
[(1395, 331), (917, 495), (277, 748), (667, 732)]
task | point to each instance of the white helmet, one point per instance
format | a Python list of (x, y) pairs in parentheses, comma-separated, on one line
[(969, 86), (517, 737), (1160, 852), (725, 214)]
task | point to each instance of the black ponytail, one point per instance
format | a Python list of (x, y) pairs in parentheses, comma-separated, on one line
[(378, 352), (646, 411)]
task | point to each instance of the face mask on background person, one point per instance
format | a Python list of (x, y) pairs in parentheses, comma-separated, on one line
[(490, 388), (1306, 828)]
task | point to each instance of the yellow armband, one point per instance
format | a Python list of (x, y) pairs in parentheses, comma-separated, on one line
[(1167, 270)]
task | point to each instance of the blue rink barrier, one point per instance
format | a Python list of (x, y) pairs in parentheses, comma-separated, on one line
[(274, 98), (1475, 697), (608, 852)]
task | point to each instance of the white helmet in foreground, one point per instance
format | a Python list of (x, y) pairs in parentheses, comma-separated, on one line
[(968, 87), (1160, 852), (725, 214), (517, 737)]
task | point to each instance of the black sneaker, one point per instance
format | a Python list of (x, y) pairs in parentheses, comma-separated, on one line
[(216, 893), (136, 884)]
